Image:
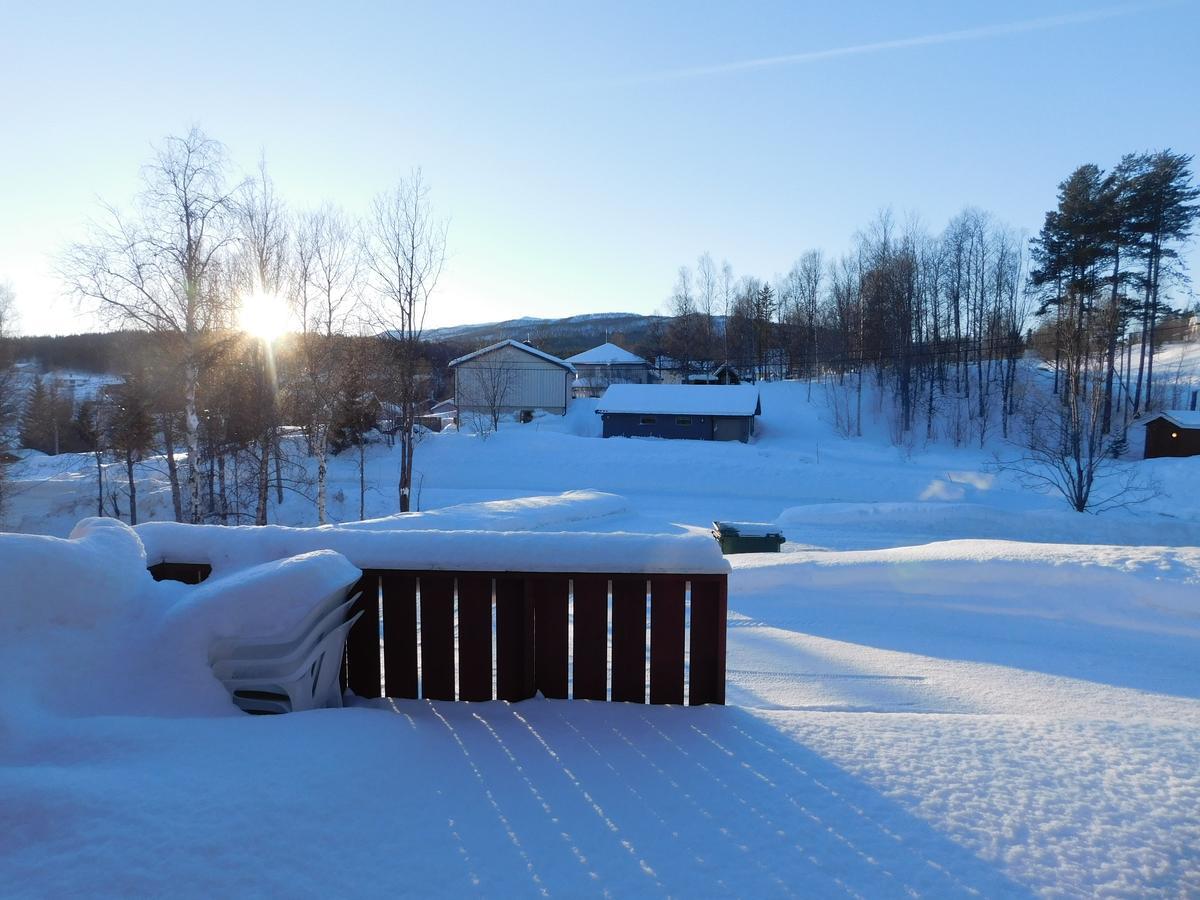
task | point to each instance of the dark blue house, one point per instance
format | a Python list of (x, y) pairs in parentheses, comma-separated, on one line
[(717, 413)]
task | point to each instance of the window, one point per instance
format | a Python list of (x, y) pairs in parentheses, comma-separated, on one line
[(683, 420), (648, 420)]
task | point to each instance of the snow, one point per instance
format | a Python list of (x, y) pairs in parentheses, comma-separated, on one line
[(1184, 418), (749, 529), (946, 684), (678, 399), (86, 631), (423, 550), (541, 354), (606, 354)]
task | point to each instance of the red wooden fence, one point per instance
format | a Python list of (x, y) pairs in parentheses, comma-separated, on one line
[(508, 635)]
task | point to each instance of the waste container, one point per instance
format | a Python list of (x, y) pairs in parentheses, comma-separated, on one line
[(748, 537)]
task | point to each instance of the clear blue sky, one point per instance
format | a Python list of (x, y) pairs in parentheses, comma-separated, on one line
[(583, 153)]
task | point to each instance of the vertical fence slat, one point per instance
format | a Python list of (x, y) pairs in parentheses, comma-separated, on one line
[(629, 638), (709, 612), (590, 673), (399, 634), (437, 637), (551, 596), (474, 637), (666, 638), (515, 664), (362, 644)]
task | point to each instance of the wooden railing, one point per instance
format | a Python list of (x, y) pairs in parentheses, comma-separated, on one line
[(509, 635)]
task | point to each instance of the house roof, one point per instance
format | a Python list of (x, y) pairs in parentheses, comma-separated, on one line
[(681, 399), (607, 354), (541, 354), (1182, 418)]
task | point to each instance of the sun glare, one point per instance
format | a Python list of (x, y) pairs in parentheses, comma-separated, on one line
[(263, 315)]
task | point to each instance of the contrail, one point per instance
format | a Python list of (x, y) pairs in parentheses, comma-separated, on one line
[(925, 40)]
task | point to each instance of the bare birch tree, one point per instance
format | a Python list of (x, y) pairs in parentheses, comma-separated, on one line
[(8, 382), (153, 269), (264, 239), (404, 249), (326, 295)]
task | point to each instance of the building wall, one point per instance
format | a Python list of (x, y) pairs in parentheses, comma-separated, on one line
[(696, 428), (617, 374), (1160, 443), (512, 378)]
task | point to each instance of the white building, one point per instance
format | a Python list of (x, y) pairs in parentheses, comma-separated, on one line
[(511, 377), (606, 365)]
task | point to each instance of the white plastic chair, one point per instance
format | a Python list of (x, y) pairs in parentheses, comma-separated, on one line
[(312, 684), (262, 704), (267, 660), (229, 648)]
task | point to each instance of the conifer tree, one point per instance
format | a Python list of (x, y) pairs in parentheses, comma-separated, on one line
[(131, 431)]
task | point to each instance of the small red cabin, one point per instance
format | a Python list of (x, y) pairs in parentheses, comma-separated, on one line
[(1173, 432)]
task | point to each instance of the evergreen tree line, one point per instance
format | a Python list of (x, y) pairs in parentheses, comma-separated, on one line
[(1104, 264)]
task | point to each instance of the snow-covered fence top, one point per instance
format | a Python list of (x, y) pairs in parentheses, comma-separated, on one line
[(226, 548)]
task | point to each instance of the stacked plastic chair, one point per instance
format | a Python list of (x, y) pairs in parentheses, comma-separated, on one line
[(296, 671)]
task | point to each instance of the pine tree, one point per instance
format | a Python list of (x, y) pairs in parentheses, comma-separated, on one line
[(131, 431), (37, 420), (1163, 209)]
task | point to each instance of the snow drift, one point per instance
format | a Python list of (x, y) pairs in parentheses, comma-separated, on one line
[(85, 630)]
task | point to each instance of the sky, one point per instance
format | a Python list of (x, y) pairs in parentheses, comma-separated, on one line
[(583, 152)]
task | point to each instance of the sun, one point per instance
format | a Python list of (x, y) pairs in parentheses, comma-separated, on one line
[(263, 315)]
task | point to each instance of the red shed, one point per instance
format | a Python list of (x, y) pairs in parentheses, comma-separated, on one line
[(1173, 432)]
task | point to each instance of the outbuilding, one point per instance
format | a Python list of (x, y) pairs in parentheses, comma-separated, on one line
[(606, 365), (511, 377), (719, 413), (1172, 432)]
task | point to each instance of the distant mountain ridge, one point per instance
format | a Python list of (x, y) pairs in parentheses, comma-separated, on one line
[(568, 335)]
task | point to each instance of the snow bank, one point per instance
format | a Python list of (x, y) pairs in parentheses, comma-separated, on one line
[(522, 514), (1141, 588), (85, 630), (947, 519), (93, 577), (228, 548)]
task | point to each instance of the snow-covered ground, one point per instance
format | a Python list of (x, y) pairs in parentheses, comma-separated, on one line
[(945, 685)]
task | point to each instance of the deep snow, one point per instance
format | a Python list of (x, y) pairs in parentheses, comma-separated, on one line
[(945, 685)]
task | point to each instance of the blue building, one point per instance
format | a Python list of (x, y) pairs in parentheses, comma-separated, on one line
[(717, 413)]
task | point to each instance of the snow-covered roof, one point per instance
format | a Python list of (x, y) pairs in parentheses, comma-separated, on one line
[(607, 354), (681, 399), (542, 354), (1183, 418)]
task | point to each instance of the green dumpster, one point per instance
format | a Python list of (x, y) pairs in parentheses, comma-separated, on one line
[(747, 537)]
